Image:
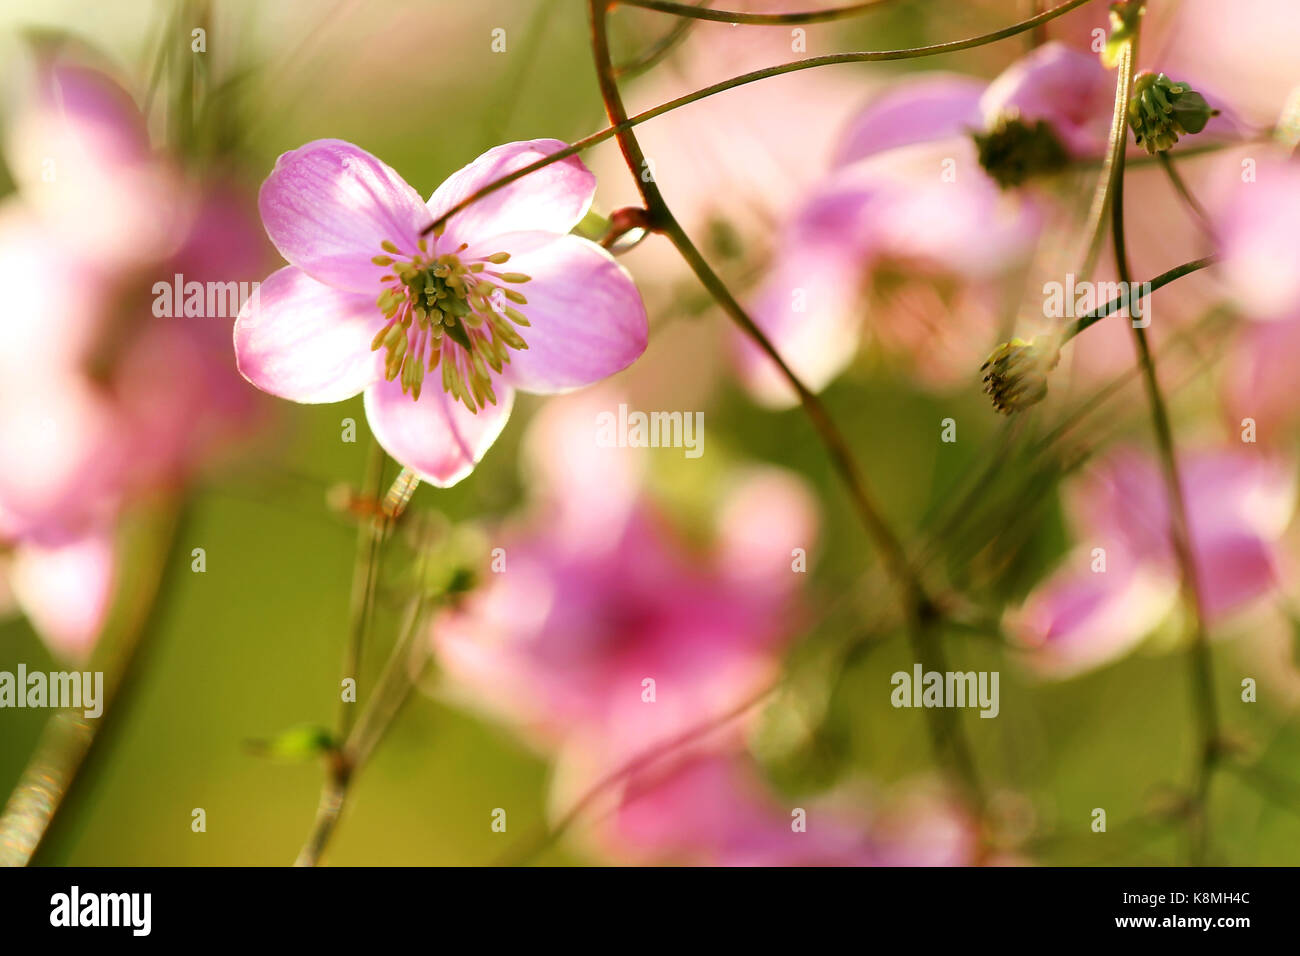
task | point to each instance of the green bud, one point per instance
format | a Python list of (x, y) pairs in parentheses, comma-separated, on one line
[(1161, 110)]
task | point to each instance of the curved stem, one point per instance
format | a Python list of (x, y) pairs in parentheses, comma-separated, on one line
[(69, 737), (755, 19), (922, 613), (660, 49), (365, 576), (344, 762), (1180, 537), (1185, 194), (665, 222), (627, 123), (1120, 301)]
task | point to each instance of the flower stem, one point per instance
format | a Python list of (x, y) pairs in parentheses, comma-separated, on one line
[(658, 50), (404, 665), (1180, 187), (922, 612), (1200, 660), (756, 19), (69, 737), (365, 576), (1120, 301), (627, 123)]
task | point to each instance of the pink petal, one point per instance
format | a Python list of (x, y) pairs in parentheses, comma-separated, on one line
[(1256, 221), (437, 436), (587, 318), (1069, 89), (65, 591), (1233, 570), (1260, 379), (80, 153), (809, 305), (553, 199), (307, 341), (929, 107), (329, 205), (1079, 619), (768, 513)]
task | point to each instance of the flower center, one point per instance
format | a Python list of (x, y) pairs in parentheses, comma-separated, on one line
[(445, 310), (1014, 150)]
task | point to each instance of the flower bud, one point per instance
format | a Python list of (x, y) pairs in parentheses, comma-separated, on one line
[(1161, 110), (1015, 374)]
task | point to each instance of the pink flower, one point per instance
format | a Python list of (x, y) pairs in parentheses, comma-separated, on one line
[(101, 400), (1100, 604), (599, 595), (921, 208), (81, 157), (367, 305), (1069, 89), (1255, 205), (714, 809)]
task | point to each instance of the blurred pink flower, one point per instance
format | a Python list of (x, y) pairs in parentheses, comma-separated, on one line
[(347, 223), (100, 400), (1096, 608), (1069, 89), (599, 595), (1255, 205), (907, 238), (81, 157), (713, 809)]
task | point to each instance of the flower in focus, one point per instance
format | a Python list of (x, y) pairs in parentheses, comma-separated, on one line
[(1161, 110), (1100, 604), (600, 595), (502, 298)]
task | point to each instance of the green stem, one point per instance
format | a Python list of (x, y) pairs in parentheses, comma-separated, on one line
[(69, 737), (395, 684), (365, 576), (665, 222), (922, 612), (1123, 300), (1200, 660), (627, 123), (755, 19), (654, 54), (1185, 194)]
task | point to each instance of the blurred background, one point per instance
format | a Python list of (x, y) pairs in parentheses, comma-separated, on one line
[(253, 645)]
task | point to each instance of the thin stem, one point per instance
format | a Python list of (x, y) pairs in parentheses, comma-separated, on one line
[(628, 123), (922, 612), (664, 221), (1125, 299), (642, 761), (1199, 657), (660, 49), (69, 736), (1180, 187), (754, 19), (395, 684), (365, 575)]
